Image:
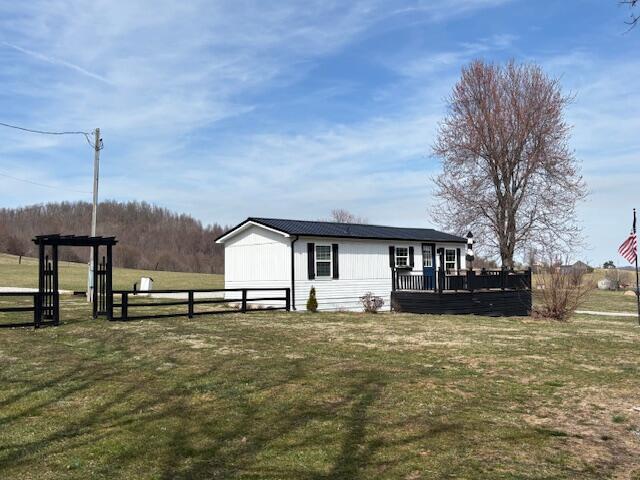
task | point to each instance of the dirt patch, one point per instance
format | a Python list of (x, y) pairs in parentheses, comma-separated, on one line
[(600, 428)]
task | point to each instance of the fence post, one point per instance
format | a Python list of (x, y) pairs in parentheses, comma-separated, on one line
[(529, 281), (287, 297), (190, 307), (441, 279), (471, 278), (503, 277), (36, 310), (244, 300), (125, 306)]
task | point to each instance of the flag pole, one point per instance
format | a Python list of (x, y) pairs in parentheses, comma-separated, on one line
[(637, 283)]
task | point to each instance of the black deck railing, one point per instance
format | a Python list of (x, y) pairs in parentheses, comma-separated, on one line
[(35, 307), (470, 280), (191, 302)]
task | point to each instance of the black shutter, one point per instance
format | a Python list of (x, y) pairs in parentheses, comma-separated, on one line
[(334, 256), (458, 259), (311, 260), (392, 256), (411, 262)]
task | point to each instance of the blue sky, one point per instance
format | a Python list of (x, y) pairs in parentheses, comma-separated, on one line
[(231, 109)]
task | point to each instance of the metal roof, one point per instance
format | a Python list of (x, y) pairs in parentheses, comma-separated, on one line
[(350, 230)]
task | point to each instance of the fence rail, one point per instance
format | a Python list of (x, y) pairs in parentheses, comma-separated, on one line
[(465, 280), (126, 295), (35, 307)]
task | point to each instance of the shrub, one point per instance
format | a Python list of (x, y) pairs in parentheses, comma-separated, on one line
[(312, 302), (371, 303), (561, 292), (618, 278)]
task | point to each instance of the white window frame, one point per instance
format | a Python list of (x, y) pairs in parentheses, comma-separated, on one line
[(427, 257), (330, 261), (406, 265), (455, 259)]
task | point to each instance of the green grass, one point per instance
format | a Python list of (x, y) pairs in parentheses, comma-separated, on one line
[(315, 396), (610, 301), (320, 396), (73, 276)]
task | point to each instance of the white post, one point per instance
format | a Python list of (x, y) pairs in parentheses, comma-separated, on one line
[(94, 211)]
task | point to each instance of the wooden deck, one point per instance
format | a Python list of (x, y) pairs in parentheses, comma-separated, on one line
[(492, 293), (480, 302)]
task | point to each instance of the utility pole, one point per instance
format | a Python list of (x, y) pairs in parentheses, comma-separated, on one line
[(94, 210)]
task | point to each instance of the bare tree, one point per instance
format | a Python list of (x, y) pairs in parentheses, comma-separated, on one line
[(16, 246), (341, 215), (148, 236), (633, 18), (508, 174)]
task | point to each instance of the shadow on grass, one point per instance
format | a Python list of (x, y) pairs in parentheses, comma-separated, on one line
[(221, 439)]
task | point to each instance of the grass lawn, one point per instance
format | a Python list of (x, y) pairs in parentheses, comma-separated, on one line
[(609, 301), (333, 395), (73, 276)]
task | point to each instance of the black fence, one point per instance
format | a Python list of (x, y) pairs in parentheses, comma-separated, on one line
[(465, 280), (35, 307), (191, 302)]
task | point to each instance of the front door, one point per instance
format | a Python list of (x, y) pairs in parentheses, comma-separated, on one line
[(429, 265)]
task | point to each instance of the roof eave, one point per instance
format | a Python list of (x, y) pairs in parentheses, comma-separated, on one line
[(249, 222), (431, 240)]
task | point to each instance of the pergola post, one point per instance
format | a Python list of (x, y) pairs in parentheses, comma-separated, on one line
[(41, 269), (94, 300), (48, 297), (109, 283), (56, 291)]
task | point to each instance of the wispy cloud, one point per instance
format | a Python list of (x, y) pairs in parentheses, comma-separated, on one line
[(56, 61), (231, 108)]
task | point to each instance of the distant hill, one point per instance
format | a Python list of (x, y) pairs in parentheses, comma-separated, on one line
[(149, 237)]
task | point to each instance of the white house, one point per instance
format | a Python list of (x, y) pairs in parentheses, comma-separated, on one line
[(342, 261)]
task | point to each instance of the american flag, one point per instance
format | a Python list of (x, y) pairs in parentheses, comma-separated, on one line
[(629, 249)]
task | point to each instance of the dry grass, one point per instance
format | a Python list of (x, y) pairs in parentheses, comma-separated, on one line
[(73, 276), (318, 396)]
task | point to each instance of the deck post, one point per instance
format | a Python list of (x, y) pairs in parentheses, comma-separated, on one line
[(394, 279)]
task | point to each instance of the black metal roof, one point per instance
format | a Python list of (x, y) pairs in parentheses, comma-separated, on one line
[(73, 240), (351, 230)]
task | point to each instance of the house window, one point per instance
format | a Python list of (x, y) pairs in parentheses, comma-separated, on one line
[(323, 261), (450, 259), (402, 256), (427, 256)]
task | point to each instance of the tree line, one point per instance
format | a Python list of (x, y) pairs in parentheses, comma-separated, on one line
[(149, 237)]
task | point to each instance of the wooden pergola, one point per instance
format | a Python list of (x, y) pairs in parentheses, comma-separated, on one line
[(49, 297)]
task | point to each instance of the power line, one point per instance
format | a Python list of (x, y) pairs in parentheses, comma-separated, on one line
[(44, 132), (42, 184)]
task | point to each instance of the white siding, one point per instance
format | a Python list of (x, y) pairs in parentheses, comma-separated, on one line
[(363, 267), (257, 258)]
